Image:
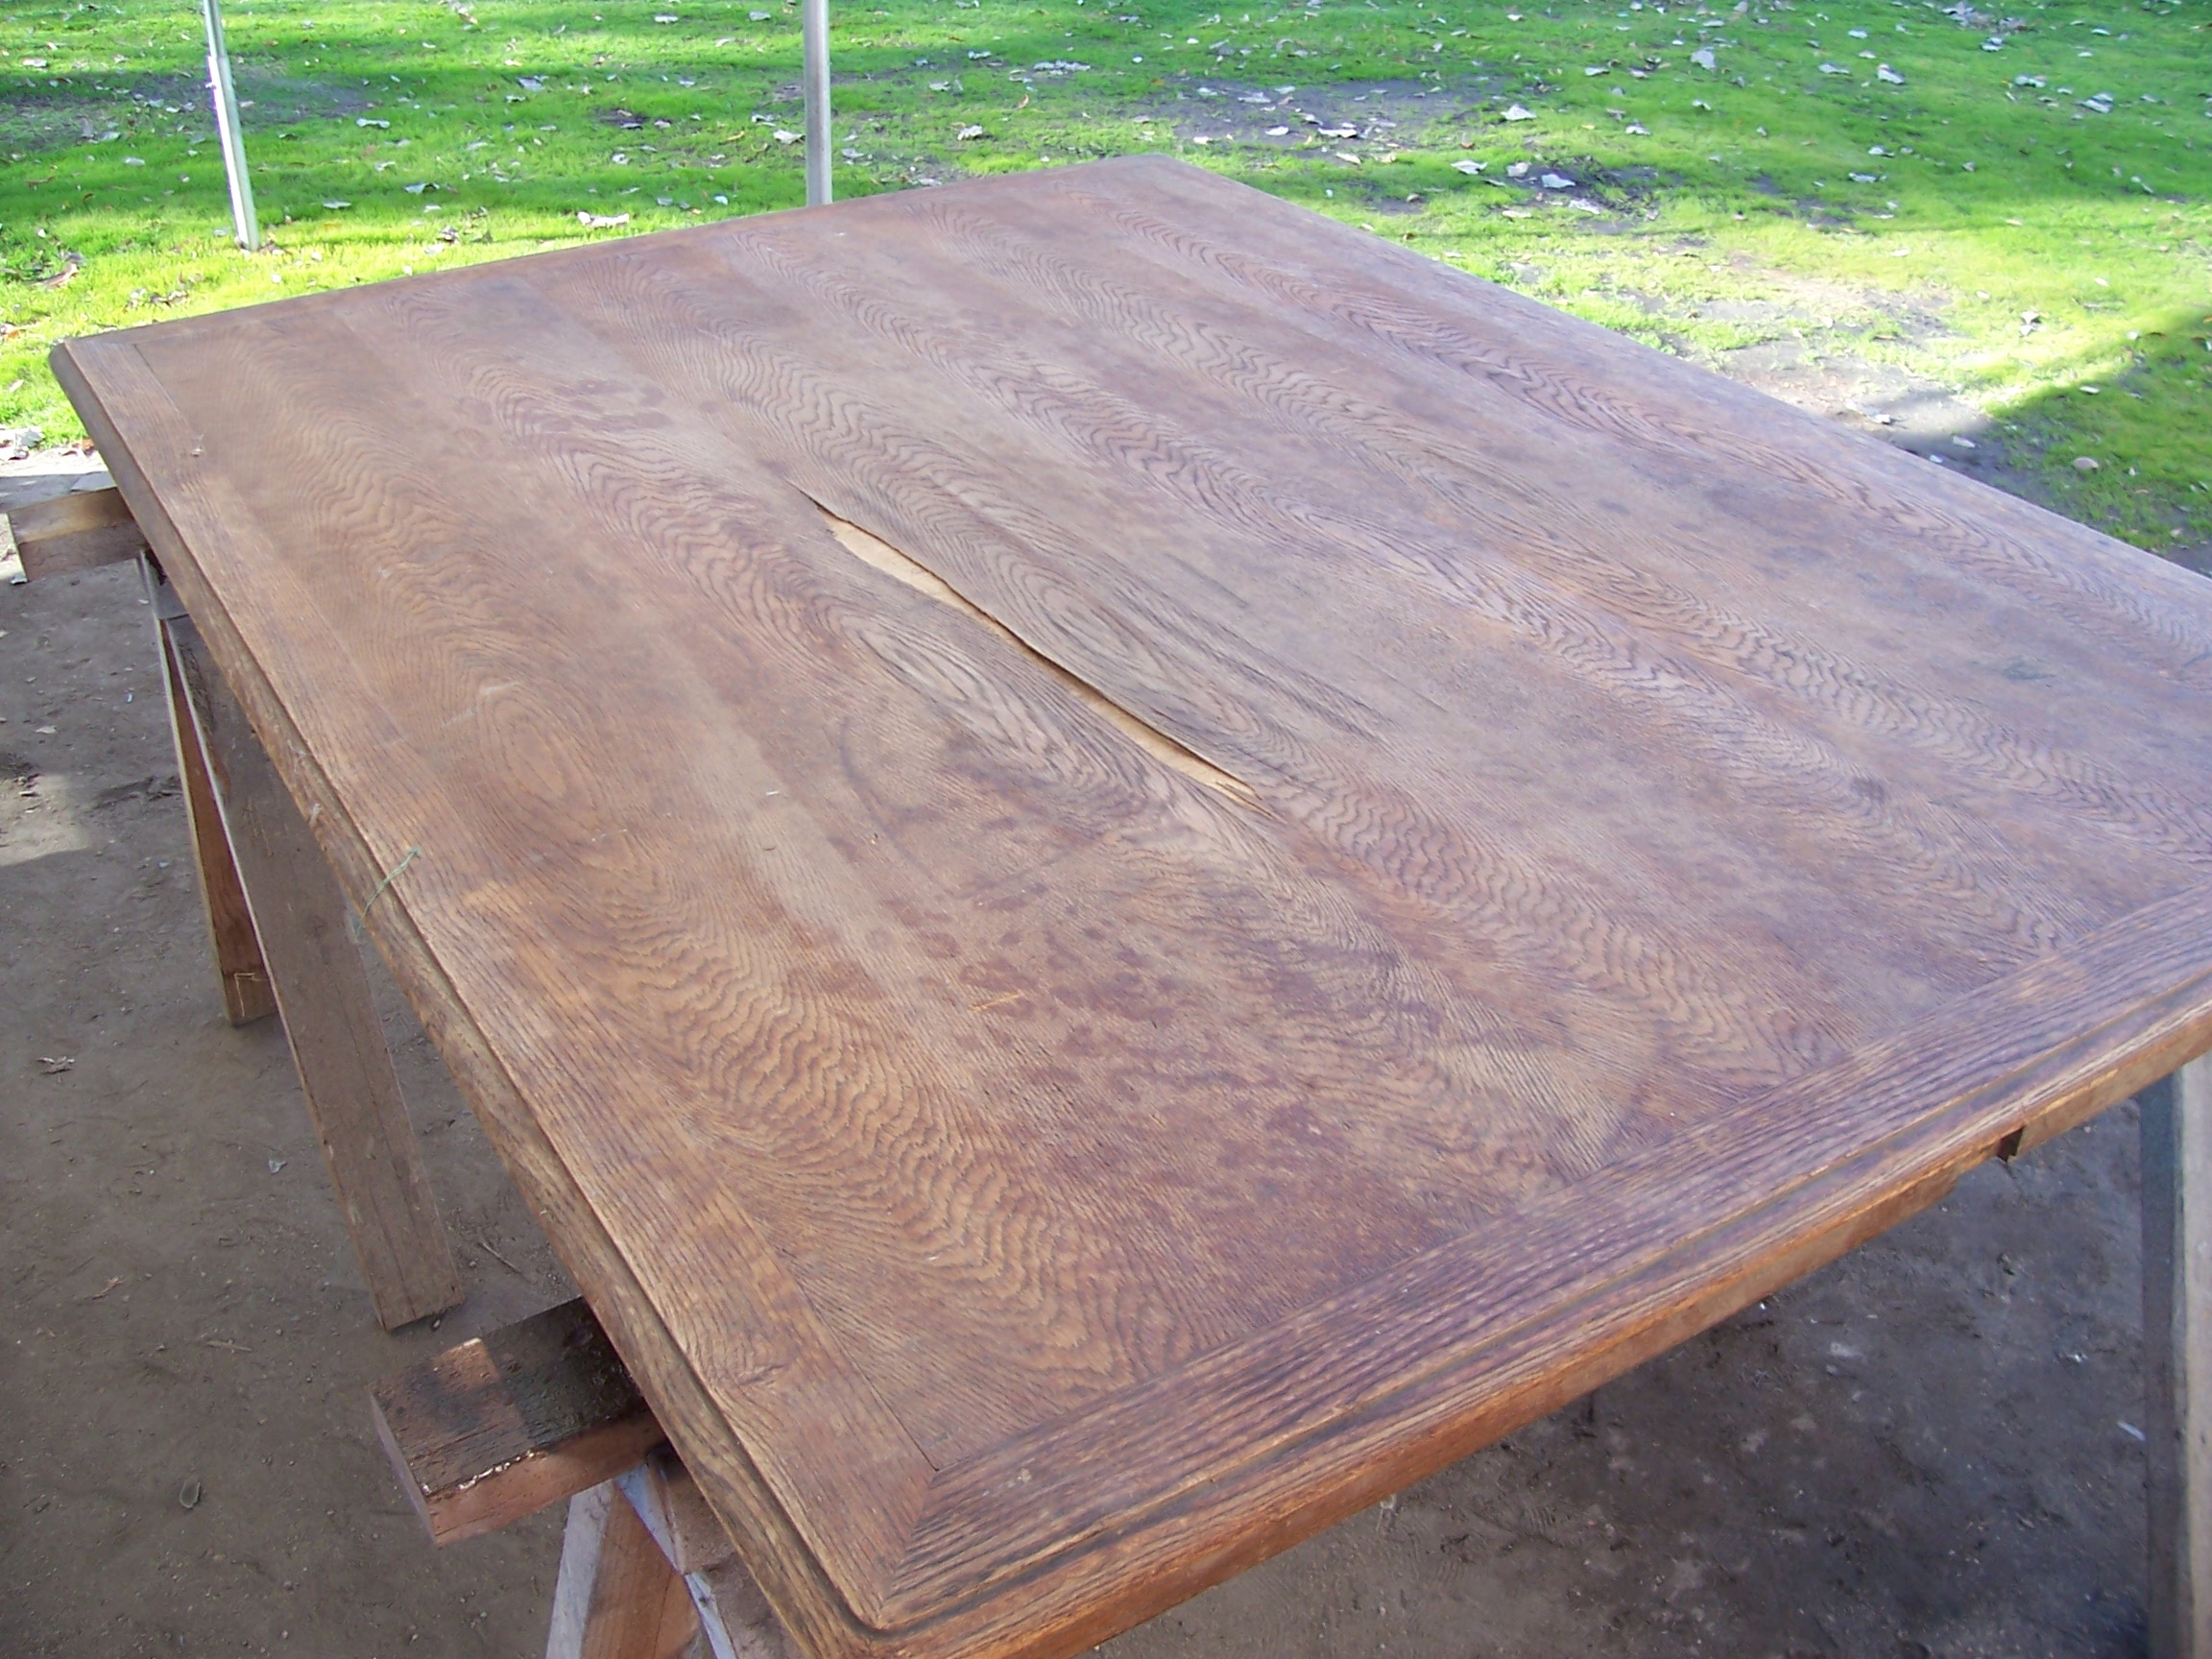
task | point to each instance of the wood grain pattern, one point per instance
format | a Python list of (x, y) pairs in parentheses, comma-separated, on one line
[(501, 1425), (299, 920), (1124, 867)]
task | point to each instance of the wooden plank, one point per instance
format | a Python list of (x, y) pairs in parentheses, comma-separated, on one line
[(617, 1596), (503, 1425), (246, 994), (2176, 1129), (1329, 852), (81, 530), (321, 990)]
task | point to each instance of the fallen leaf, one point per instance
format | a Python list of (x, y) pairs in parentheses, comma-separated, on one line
[(1703, 58)]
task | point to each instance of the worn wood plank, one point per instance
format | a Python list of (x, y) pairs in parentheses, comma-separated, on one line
[(322, 989), (502, 1425), (2177, 1130), (246, 994), (81, 530), (1124, 867), (617, 1596)]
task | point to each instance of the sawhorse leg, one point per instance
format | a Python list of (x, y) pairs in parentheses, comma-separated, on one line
[(618, 1597), (647, 1573), (246, 994), (2176, 1126), (279, 923)]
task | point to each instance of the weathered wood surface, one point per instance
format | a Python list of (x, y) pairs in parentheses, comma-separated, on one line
[(1599, 843), (501, 1425), (2176, 1118), (81, 530), (246, 994), (299, 919)]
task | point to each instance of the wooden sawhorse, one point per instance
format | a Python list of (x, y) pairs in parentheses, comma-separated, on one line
[(501, 1426)]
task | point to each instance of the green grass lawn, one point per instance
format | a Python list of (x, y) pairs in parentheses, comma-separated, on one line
[(2010, 206)]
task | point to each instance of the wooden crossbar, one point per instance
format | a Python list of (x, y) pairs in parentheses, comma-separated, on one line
[(502, 1426), (80, 531)]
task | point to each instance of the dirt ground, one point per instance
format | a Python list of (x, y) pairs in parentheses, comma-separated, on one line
[(1927, 1447)]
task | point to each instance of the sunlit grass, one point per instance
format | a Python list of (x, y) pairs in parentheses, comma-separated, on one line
[(2016, 242)]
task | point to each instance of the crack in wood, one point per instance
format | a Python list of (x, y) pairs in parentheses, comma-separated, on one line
[(878, 554)]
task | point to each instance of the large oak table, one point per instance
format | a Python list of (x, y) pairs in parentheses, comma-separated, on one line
[(1122, 867)]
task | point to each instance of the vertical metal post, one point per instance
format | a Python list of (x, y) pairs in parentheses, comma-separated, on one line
[(2178, 1357), (814, 29), (223, 97)]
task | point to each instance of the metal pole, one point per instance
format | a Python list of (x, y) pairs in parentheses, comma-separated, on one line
[(814, 29), (225, 99)]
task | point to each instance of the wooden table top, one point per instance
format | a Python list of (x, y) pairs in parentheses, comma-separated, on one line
[(1125, 867)]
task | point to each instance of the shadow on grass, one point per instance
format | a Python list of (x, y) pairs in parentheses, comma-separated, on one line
[(2143, 431)]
